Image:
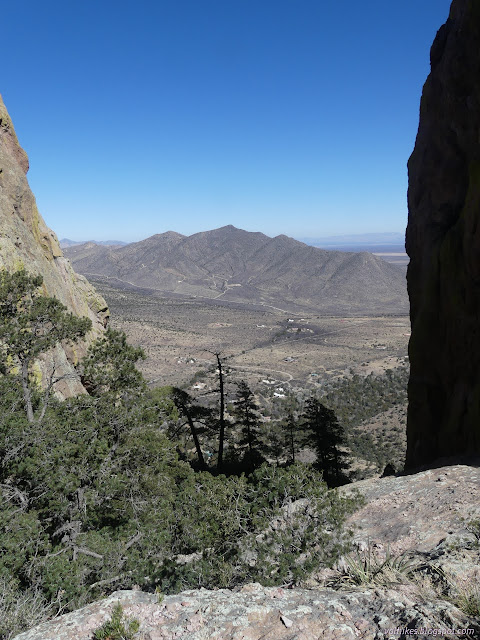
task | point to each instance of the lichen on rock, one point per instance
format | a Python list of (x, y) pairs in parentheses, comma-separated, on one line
[(26, 241)]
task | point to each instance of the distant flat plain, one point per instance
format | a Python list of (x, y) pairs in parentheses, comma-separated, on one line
[(179, 334), (393, 253)]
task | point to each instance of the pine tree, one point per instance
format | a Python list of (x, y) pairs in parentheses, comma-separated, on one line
[(31, 324), (109, 366), (328, 437), (246, 413), (192, 414)]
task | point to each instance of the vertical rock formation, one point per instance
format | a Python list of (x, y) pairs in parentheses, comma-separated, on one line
[(26, 241), (443, 242)]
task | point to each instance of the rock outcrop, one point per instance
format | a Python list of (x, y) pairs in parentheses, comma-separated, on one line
[(426, 515), (26, 241), (258, 613), (443, 242)]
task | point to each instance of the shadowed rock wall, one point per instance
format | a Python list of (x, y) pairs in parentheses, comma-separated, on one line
[(26, 241), (443, 242)]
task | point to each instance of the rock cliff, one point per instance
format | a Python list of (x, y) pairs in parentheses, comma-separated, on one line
[(26, 241), (443, 242)]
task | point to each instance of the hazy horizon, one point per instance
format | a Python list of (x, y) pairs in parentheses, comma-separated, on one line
[(294, 119), (381, 238)]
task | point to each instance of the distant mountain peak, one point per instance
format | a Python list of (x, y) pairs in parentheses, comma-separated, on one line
[(228, 229), (280, 272), (172, 234), (65, 243)]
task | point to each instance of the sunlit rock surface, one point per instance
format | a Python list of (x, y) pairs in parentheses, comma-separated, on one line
[(26, 241)]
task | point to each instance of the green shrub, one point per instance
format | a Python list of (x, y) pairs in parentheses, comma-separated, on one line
[(118, 627), (297, 525), (276, 526)]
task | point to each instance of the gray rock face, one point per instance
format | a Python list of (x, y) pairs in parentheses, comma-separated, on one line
[(443, 242), (415, 513), (26, 241), (255, 612)]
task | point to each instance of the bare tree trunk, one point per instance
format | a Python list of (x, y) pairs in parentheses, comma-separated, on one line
[(222, 413), (201, 459), (292, 444), (27, 394), (249, 438)]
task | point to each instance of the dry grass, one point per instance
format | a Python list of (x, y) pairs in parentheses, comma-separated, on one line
[(428, 582), (371, 568), (21, 610)]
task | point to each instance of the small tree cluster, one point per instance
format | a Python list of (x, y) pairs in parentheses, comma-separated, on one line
[(328, 438)]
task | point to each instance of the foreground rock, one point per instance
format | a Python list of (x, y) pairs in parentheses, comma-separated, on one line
[(255, 613), (26, 241), (420, 511), (443, 242), (426, 514)]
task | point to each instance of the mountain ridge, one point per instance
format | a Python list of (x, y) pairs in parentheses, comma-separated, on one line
[(236, 265), (66, 242)]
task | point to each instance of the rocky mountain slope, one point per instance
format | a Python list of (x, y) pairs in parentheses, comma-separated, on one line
[(239, 266), (26, 241), (427, 516), (65, 242), (443, 242)]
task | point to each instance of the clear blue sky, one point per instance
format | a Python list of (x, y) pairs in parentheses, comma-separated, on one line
[(281, 116)]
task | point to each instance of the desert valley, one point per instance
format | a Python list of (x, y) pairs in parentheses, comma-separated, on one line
[(231, 435), (305, 314), (289, 319)]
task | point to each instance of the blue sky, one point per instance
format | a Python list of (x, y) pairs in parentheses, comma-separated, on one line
[(278, 116)]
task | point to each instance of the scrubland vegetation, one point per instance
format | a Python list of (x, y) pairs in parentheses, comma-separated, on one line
[(97, 492), (126, 485)]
